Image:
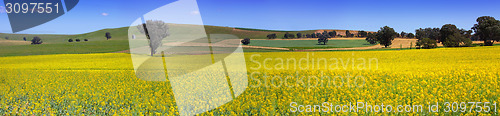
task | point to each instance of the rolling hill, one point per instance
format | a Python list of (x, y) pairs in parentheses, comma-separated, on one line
[(121, 33), (58, 44)]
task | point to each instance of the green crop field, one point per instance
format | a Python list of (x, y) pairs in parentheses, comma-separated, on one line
[(309, 44)]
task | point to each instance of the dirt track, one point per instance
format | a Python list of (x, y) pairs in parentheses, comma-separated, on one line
[(14, 42)]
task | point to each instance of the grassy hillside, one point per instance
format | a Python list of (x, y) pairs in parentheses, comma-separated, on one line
[(122, 33), (116, 33), (58, 44)]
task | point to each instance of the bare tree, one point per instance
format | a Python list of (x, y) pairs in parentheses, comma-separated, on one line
[(155, 31)]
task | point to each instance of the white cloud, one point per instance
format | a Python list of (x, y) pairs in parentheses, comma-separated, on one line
[(2, 9), (104, 14), (195, 12)]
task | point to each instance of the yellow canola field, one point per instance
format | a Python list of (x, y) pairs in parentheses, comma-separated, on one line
[(279, 82)]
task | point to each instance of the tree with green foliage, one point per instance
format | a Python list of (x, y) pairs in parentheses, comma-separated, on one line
[(466, 33), (452, 37), (322, 39), (299, 35), (155, 31), (487, 29), (447, 30), (308, 35), (347, 33), (410, 35), (288, 36), (36, 40), (271, 36), (245, 41), (432, 33), (291, 36), (362, 33), (457, 40), (402, 34), (427, 43), (108, 35), (325, 33), (371, 38), (332, 33), (385, 36)]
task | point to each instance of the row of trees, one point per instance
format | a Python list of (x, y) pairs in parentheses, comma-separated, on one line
[(77, 40), (449, 35), (405, 35), (486, 29), (330, 34), (38, 40), (322, 37)]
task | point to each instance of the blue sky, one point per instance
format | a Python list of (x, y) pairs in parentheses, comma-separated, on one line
[(370, 15)]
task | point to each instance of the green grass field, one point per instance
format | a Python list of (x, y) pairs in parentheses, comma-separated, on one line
[(58, 44), (310, 44), (65, 48)]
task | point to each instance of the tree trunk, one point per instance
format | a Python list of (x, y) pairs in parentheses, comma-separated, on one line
[(152, 50)]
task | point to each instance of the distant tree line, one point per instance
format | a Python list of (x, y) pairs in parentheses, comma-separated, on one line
[(77, 40), (487, 29), (328, 34), (405, 35)]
